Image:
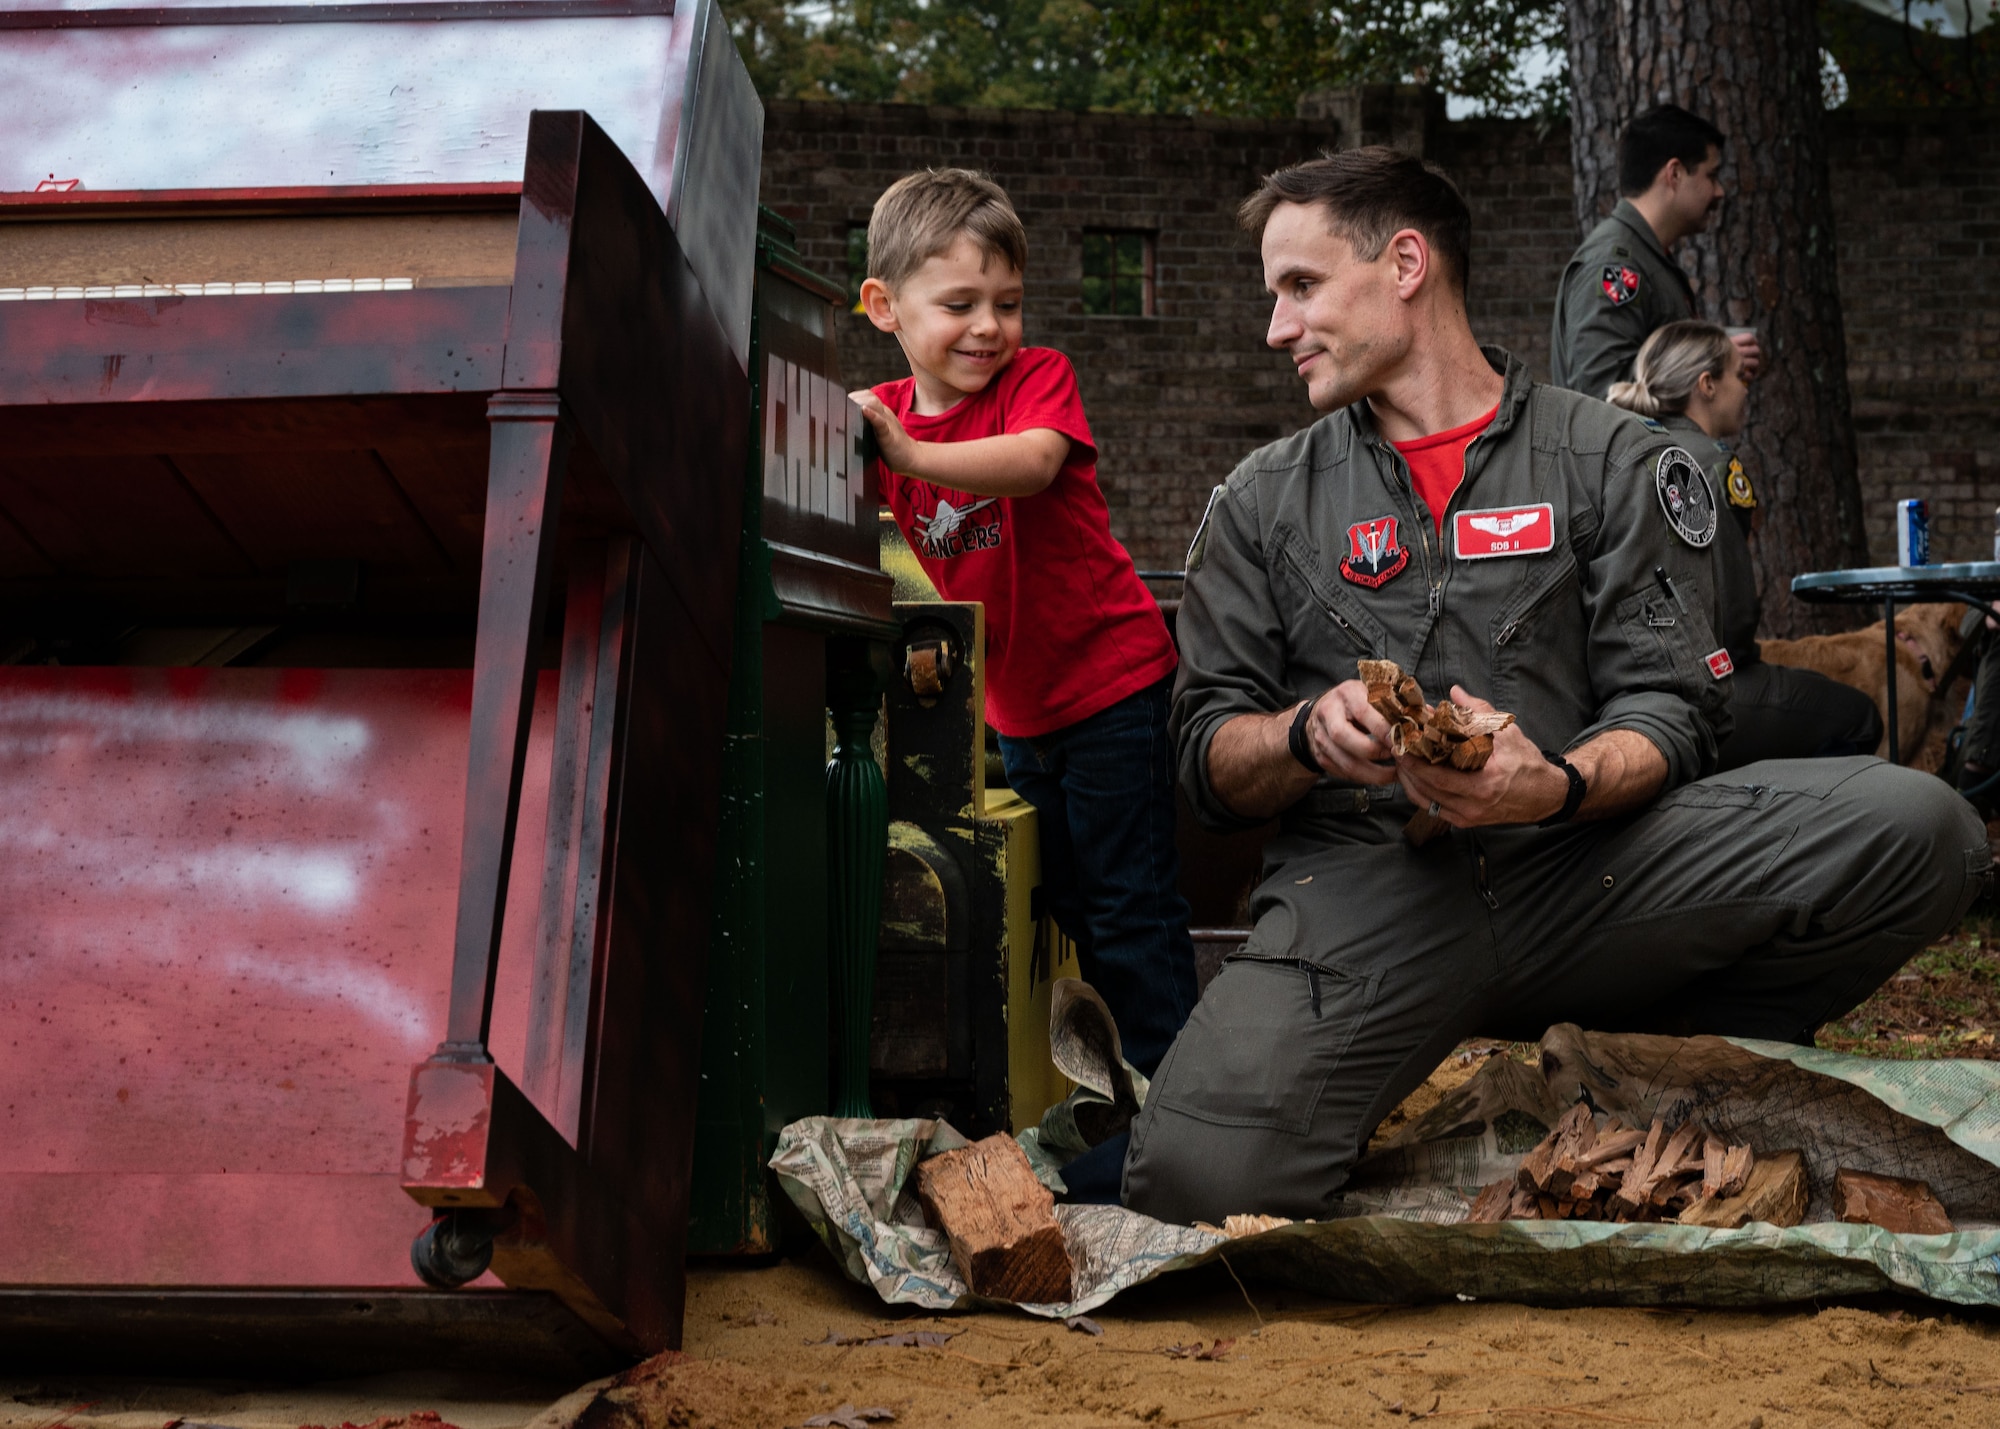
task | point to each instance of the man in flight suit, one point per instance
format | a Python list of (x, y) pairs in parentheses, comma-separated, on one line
[(1590, 872), (1623, 283)]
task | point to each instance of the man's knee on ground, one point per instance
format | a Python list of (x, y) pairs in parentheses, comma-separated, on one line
[(1934, 855)]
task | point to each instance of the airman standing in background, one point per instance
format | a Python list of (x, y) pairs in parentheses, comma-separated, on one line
[(1623, 283)]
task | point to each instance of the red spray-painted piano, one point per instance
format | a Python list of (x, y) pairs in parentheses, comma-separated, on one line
[(373, 418)]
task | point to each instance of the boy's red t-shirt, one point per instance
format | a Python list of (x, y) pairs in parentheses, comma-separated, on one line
[(1437, 462), (1070, 629)]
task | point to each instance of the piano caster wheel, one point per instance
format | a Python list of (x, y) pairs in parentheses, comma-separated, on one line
[(453, 1250)]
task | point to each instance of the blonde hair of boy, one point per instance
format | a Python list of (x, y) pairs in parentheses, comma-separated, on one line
[(1672, 361), (921, 215)]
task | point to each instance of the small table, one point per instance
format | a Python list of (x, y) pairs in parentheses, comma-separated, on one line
[(1975, 583)]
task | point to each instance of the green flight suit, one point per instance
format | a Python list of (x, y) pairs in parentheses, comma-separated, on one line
[(1758, 904), (1619, 287), (1778, 712)]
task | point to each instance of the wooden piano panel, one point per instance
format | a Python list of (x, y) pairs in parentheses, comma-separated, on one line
[(324, 505), (435, 249), (111, 518), (225, 933)]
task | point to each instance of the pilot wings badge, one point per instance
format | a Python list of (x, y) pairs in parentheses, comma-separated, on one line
[(1373, 558), (1507, 531)]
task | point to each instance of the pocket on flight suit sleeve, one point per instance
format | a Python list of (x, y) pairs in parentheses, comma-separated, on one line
[(1263, 1041)]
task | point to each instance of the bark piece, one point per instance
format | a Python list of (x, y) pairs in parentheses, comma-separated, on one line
[(1612, 1146), (1444, 733), (1575, 1134), (999, 1220), (1493, 1203), (1775, 1193), (1861, 1197)]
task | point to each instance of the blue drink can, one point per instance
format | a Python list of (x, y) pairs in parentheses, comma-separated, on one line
[(1913, 533)]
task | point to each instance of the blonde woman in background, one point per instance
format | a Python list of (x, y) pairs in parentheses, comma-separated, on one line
[(1689, 379)]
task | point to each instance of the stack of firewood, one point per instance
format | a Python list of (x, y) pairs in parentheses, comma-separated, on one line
[(1615, 1172), (1443, 733)]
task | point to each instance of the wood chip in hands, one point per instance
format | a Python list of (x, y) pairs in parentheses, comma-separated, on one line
[(1443, 733)]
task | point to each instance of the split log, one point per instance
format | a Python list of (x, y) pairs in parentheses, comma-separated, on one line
[(1000, 1221), (1493, 1203), (1774, 1193), (1861, 1197)]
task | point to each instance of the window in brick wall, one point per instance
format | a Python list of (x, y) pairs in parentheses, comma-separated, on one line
[(1118, 273), (857, 263)]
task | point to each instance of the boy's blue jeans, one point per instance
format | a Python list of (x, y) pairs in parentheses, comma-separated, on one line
[(1104, 790)]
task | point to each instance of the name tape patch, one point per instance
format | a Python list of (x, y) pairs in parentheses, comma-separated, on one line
[(1504, 531)]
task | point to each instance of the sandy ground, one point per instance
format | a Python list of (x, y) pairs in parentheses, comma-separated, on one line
[(1194, 1348)]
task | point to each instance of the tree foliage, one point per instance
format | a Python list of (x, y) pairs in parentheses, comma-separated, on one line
[(1246, 57), (1887, 62), (1028, 54), (1260, 56)]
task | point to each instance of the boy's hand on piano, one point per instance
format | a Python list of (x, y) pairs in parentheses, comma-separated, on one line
[(897, 448)]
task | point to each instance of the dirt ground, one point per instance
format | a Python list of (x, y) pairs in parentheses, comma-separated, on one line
[(1197, 1348), (757, 1356)]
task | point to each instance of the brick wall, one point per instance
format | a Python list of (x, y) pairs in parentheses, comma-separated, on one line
[(1176, 399), (1917, 219)]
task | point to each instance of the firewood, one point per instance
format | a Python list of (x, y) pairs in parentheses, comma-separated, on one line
[(1533, 1174), (1737, 1165), (999, 1220), (1774, 1193), (1492, 1204), (1611, 1146), (1633, 1191), (1523, 1206), (1861, 1197), (1574, 1136)]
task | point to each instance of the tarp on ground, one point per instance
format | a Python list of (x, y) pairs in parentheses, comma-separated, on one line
[(1401, 1236)]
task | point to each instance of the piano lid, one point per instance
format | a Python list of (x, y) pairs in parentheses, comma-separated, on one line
[(189, 95)]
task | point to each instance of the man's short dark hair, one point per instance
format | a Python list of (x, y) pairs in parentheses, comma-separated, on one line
[(1369, 194), (1664, 132)]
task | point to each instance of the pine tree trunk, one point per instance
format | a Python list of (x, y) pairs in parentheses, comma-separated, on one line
[(1752, 69)]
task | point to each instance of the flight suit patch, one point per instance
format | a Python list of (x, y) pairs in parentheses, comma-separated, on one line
[(1719, 664), (1741, 495), (1197, 550), (1373, 558), (1685, 496), (1621, 283), (1504, 531)]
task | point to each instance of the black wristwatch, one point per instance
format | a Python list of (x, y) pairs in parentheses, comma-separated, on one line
[(1573, 800), (1301, 749)]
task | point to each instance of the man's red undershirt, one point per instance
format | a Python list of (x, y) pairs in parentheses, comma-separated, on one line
[(1437, 462)]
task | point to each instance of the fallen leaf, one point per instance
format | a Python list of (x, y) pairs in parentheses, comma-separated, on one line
[(1084, 1324), (1215, 1351), (848, 1417)]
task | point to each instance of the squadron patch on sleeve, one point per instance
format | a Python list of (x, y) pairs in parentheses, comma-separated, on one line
[(1685, 496), (1621, 283), (1741, 494)]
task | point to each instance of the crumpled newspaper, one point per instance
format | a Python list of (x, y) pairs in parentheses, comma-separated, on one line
[(1402, 1235)]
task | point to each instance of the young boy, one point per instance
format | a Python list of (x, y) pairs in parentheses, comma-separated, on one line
[(990, 471)]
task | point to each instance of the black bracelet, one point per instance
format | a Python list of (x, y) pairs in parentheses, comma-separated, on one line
[(1301, 750), (1573, 800)]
